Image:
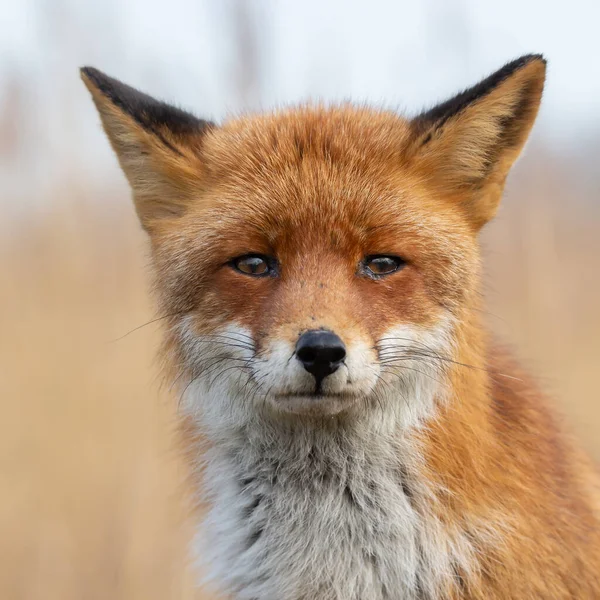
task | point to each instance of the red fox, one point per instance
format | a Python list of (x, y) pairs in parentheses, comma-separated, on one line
[(353, 432)]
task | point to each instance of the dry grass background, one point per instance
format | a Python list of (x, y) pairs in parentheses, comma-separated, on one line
[(92, 490), (92, 503)]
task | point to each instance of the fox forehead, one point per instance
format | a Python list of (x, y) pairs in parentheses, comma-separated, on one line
[(346, 161), (318, 177), (348, 135)]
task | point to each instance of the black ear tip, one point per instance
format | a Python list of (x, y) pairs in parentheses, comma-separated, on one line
[(94, 75), (537, 56), (88, 72), (527, 59)]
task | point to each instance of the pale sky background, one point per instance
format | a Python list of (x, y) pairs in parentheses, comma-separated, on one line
[(401, 54)]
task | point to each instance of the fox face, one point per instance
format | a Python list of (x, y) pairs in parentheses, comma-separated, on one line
[(319, 262), (328, 288)]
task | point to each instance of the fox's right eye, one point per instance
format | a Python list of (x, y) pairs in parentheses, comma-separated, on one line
[(255, 265)]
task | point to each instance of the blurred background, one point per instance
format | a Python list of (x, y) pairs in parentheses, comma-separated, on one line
[(93, 502)]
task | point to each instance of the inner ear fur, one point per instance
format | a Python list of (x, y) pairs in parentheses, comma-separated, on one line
[(158, 145), (466, 145)]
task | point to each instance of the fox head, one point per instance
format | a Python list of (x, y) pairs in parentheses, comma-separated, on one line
[(319, 262)]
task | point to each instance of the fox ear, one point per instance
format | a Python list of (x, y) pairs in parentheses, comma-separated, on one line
[(158, 145), (467, 144)]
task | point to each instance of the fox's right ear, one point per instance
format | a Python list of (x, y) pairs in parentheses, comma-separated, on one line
[(158, 145)]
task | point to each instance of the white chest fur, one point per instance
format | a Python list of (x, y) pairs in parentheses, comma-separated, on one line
[(324, 517)]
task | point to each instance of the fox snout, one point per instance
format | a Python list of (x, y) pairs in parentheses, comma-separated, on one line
[(321, 353)]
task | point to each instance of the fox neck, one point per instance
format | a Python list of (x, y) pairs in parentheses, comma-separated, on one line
[(287, 501)]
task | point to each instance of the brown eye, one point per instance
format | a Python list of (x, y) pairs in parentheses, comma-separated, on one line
[(254, 264), (380, 266)]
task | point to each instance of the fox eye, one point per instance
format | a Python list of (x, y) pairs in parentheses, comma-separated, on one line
[(381, 265), (254, 264)]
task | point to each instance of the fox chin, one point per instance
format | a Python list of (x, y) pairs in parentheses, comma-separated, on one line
[(352, 431)]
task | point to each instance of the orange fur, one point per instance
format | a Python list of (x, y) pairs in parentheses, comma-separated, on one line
[(321, 187)]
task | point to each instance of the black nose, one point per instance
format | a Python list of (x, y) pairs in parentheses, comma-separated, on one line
[(320, 352)]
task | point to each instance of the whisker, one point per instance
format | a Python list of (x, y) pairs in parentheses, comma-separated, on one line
[(388, 359), (214, 362), (226, 344), (238, 337), (412, 355), (155, 320), (392, 372), (195, 378), (233, 337), (223, 371)]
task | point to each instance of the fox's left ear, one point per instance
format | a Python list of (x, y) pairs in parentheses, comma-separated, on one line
[(158, 146), (466, 145)]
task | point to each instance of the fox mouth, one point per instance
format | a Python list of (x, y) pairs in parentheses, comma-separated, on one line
[(315, 395), (316, 403)]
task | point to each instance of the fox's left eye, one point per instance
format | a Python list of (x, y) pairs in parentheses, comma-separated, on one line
[(381, 265), (254, 264)]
